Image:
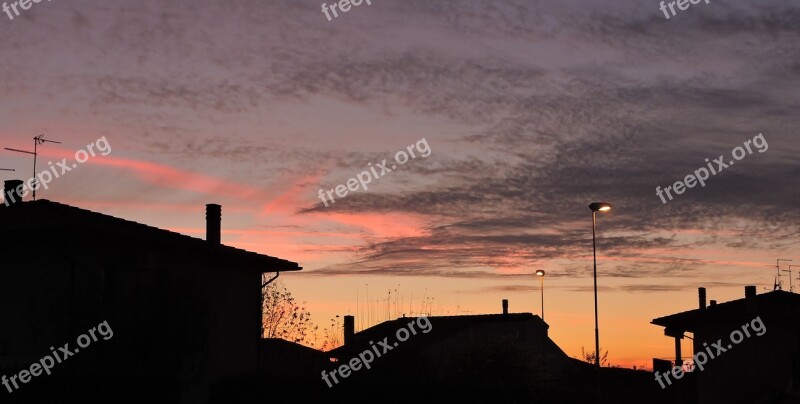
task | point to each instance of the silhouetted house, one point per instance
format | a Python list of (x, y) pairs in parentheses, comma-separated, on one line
[(502, 358), (289, 360), (185, 312), (761, 368), (460, 346), (289, 372)]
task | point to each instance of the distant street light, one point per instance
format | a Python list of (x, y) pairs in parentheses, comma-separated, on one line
[(540, 273), (596, 207)]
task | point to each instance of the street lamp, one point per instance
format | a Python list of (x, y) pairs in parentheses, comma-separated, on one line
[(596, 207), (540, 273)]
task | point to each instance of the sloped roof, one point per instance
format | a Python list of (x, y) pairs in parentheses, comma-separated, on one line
[(278, 344), (777, 303), (45, 215), (445, 326)]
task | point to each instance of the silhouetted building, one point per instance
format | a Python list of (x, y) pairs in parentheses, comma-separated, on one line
[(290, 360), (460, 346), (185, 313), (497, 358), (500, 357), (751, 348)]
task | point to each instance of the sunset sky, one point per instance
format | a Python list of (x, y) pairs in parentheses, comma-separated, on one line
[(531, 109)]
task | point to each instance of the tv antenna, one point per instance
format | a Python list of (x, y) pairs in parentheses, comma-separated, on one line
[(778, 285), (36, 142), (791, 289), (798, 276)]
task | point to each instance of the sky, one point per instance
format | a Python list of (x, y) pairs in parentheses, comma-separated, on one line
[(530, 110)]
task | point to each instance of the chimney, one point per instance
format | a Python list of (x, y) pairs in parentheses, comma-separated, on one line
[(713, 303), (213, 223), (505, 306), (12, 197), (751, 303), (702, 295), (349, 329)]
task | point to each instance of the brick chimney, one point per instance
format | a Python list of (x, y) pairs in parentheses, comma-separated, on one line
[(751, 303), (10, 194), (349, 329), (701, 292), (213, 223), (505, 306)]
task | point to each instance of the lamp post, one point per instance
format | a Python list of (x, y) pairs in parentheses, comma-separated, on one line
[(540, 274), (596, 207)]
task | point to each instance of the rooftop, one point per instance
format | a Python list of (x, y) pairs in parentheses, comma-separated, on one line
[(777, 303), (46, 215), (443, 327)]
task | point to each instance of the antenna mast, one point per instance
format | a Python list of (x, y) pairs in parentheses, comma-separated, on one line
[(791, 289), (36, 142), (778, 285)]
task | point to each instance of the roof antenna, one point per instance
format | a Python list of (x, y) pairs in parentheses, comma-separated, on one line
[(791, 289), (778, 285), (36, 142)]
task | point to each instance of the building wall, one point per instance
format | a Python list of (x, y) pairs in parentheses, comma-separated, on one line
[(752, 370), (182, 320), (500, 347)]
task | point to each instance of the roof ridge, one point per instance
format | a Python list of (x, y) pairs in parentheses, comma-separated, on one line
[(43, 203)]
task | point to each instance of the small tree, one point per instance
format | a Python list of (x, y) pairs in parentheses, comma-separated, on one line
[(333, 335), (282, 317), (590, 356)]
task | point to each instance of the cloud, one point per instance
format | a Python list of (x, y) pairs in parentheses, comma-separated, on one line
[(538, 108)]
